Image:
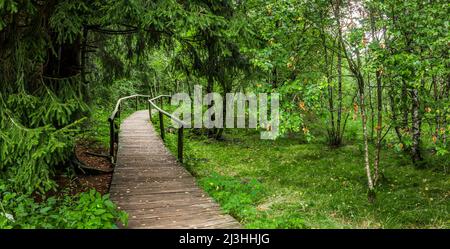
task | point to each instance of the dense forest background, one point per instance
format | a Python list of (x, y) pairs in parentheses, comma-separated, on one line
[(368, 75)]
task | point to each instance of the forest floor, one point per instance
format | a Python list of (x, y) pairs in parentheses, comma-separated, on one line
[(100, 181), (95, 140), (78, 181)]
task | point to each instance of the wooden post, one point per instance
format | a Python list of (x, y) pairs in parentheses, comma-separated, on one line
[(118, 112), (180, 144), (161, 124), (149, 110), (116, 133), (111, 140), (137, 103)]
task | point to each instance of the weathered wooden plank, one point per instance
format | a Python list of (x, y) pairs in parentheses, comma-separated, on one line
[(161, 198), (155, 184), (176, 222)]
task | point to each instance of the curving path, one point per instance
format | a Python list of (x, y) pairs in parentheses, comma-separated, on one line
[(155, 190)]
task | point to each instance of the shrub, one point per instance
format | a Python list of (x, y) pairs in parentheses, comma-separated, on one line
[(88, 210)]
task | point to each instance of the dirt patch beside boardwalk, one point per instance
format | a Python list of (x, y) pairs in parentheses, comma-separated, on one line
[(78, 181)]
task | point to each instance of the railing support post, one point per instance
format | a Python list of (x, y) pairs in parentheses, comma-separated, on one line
[(118, 112), (180, 144), (137, 103), (161, 124), (111, 140), (150, 110)]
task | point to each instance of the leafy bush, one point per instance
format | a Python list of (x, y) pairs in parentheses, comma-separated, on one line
[(87, 210)]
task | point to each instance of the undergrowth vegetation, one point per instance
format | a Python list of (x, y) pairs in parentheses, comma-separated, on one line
[(293, 183), (86, 210)]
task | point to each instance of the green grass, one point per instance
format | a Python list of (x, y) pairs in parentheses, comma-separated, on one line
[(288, 183)]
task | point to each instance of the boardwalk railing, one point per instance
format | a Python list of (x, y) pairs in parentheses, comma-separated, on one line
[(161, 112), (113, 130), (113, 135)]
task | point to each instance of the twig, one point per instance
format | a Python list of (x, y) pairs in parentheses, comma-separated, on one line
[(96, 154)]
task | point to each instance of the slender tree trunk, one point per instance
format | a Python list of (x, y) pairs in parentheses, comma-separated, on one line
[(212, 69), (331, 110), (226, 89), (379, 125), (366, 139), (339, 71), (355, 69), (405, 105), (416, 128), (274, 78), (189, 87), (379, 94), (332, 131), (86, 90), (372, 113)]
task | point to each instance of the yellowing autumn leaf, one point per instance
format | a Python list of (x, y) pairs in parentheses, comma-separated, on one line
[(301, 105)]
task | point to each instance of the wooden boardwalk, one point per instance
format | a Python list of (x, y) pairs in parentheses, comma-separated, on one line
[(153, 188)]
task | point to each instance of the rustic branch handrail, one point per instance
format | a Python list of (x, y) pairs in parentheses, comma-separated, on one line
[(112, 117), (161, 123), (116, 112), (116, 109), (164, 112)]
